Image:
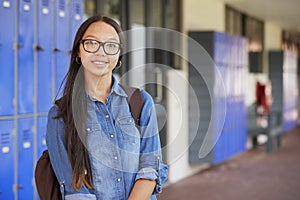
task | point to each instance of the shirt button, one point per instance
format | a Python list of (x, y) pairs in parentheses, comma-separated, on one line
[(88, 129), (118, 179), (106, 116), (116, 158), (111, 135)]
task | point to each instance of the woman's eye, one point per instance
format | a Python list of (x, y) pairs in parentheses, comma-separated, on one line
[(111, 45), (91, 42)]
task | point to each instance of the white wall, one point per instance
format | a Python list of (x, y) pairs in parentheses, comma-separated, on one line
[(203, 15), (178, 135), (272, 42)]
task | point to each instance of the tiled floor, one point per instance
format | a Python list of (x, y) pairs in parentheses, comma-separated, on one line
[(253, 175)]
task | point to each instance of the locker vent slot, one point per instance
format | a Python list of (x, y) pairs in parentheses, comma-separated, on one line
[(27, 135), (62, 5), (77, 8), (45, 3), (5, 139)]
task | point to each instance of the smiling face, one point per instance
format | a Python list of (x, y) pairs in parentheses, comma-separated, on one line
[(99, 64)]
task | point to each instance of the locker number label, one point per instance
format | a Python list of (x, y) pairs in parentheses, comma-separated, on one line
[(5, 149), (6, 4), (61, 14), (26, 145), (45, 11), (26, 7)]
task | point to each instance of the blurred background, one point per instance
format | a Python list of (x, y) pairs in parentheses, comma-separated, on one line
[(253, 47)]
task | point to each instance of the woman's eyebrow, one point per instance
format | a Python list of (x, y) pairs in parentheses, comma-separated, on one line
[(95, 38), (114, 39)]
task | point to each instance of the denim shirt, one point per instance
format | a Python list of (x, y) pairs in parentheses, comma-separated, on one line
[(119, 152)]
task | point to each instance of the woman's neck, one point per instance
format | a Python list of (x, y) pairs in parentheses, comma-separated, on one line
[(99, 88)]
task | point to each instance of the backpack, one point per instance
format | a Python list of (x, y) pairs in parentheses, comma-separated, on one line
[(46, 182)]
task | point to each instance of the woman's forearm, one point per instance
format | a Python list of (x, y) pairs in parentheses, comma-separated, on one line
[(142, 189)]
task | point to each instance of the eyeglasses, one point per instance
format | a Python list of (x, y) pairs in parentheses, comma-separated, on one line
[(92, 46)]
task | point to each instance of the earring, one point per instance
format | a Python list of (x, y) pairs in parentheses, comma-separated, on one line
[(78, 60), (120, 63)]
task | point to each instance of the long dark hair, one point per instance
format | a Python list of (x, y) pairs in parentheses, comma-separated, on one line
[(74, 94)]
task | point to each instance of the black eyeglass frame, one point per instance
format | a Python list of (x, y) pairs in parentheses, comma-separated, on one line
[(101, 44)]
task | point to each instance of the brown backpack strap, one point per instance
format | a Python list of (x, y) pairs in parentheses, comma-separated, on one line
[(135, 102)]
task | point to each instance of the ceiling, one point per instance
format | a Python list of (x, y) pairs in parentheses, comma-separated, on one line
[(284, 13)]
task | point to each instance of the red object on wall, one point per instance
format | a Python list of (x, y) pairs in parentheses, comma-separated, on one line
[(263, 97)]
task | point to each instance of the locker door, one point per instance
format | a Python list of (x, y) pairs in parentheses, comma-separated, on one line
[(61, 46), (25, 57), (44, 48), (7, 11), (76, 13), (25, 158), (42, 124), (6, 160)]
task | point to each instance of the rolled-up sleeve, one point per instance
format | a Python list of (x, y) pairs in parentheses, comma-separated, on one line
[(151, 165)]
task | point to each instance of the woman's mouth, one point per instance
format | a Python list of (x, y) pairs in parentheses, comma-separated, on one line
[(100, 62)]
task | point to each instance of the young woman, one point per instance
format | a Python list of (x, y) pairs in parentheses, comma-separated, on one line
[(96, 150)]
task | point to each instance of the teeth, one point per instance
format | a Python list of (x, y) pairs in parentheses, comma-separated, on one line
[(99, 62)]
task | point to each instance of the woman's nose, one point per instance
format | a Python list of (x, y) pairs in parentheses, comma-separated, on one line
[(101, 51)]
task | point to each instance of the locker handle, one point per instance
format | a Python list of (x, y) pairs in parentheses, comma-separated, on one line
[(159, 84), (19, 46), (56, 50), (39, 48), (19, 187)]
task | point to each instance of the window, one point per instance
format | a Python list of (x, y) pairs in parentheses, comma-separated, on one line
[(241, 24)]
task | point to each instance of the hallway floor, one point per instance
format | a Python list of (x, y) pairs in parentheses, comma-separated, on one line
[(253, 175)]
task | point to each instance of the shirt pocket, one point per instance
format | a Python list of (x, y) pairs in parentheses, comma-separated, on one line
[(129, 131)]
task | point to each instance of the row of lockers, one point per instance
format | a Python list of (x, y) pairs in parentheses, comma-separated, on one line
[(23, 155), (284, 77), (35, 46), (233, 73), (35, 50), (218, 81)]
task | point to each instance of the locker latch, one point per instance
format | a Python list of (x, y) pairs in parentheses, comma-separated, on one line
[(39, 48), (56, 50), (19, 187), (19, 46)]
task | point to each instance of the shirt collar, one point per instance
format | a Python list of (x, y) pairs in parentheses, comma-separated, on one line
[(116, 89)]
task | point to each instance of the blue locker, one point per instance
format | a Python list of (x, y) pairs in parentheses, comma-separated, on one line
[(25, 57), (7, 11), (76, 14), (61, 43), (25, 158), (225, 53), (42, 125), (6, 160), (44, 48)]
